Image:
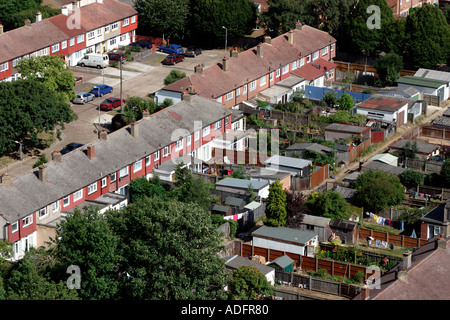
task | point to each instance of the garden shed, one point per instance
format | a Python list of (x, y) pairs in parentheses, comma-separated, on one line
[(346, 230), (283, 263)]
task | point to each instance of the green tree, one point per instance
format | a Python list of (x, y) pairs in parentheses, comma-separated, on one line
[(428, 37), (445, 175), (377, 190), (388, 68), (52, 71), (169, 251), (141, 188), (14, 12), (295, 207), (345, 102), (281, 16), (411, 178), (329, 204), (174, 76), (276, 214), (163, 17), (410, 150), (247, 283), (28, 107), (85, 239), (329, 99)]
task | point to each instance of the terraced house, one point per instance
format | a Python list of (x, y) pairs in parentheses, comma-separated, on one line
[(99, 173), (268, 66), (84, 26)]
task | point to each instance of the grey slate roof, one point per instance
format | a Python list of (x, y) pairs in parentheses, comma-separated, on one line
[(433, 74), (28, 194), (242, 183), (315, 220), (235, 202), (436, 215), (343, 224), (422, 147), (236, 261), (376, 165), (310, 146), (441, 121), (346, 128), (282, 261), (287, 234), (288, 162)]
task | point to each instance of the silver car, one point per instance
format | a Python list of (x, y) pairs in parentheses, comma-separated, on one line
[(83, 97)]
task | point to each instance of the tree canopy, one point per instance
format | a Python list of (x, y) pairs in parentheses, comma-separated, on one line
[(276, 214), (281, 16), (14, 12), (329, 204), (388, 68), (247, 283)]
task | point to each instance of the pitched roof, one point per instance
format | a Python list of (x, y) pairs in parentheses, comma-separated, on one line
[(235, 202), (215, 82), (422, 147), (299, 237), (315, 220), (242, 183), (385, 158), (376, 165), (282, 261), (433, 74), (315, 69), (288, 162), (382, 104), (436, 215), (236, 261), (346, 128), (28, 194), (441, 121), (421, 82), (343, 224), (309, 146)]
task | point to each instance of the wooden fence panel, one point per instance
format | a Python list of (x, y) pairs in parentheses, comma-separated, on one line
[(258, 251), (411, 242), (355, 269), (395, 239), (246, 250), (274, 254), (340, 269), (308, 263), (294, 256), (378, 235), (325, 264)]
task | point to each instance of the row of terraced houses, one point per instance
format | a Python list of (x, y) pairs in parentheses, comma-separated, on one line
[(83, 26), (98, 173)]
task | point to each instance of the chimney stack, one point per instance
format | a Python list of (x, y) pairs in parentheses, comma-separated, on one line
[(134, 129), (268, 40), (145, 114), (65, 11), (38, 16), (186, 96), (56, 156), (259, 51), (291, 36), (6, 180), (406, 259), (198, 69), (42, 173), (225, 64), (234, 53), (90, 152), (1, 28), (27, 23), (103, 135), (403, 276), (441, 242), (298, 25)]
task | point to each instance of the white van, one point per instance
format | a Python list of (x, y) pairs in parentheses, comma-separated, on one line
[(97, 60)]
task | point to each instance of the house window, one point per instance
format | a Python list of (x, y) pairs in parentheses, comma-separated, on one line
[(179, 145), (205, 131), (324, 51), (55, 206), (278, 72), (80, 38), (91, 35), (113, 176), (14, 227), (217, 125), (15, 62), (244, 89), (115, 26), (308, 58), (55, 48), (104, 182), (112, 41), (238, 92), (166, 151), (125, 22), (123, 172), (331, 73), (196, 135), (302, 62), (72, 42), (78, 195), (99, 32), (123, 37), (66, 201), (27, 221), (63, 46), (106, 29), (92, 188), (227, 121), (137, 165), (294, 65), (271, 77), (253, 85), (229, 96), (285, 69), (188, 140), (43, 212), (148, 160), (315, 55), (133, 19), (156, 155), (262, 80), (332, 47)]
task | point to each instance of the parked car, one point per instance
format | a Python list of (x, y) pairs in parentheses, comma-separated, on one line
[(70, 147), (171, 48), (98, 60), (173, 59), (83, 97), (117, 56), (101, 89), (143, 44), (110, 104), (192, 51)]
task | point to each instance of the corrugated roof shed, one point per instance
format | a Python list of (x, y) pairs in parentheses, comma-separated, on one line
[(290, 162), (421, 82), (242, 183), (284, 234), (236, 261)]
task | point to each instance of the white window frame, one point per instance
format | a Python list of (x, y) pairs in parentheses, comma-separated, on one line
[(133, 19), (114, 26), (197, 135), (332, 47), (271, 77), (244, 89), (15, 227), (137, 166), (112, 41), (77, 195), (125, 22), (252, 85), (104, 183), (91, 35), (107, 29), (80, 38), (285, 69), (55, 48), (148, 160), (156, 156), (27, 221), (302, 62), (315, 55), (226, 121), (72, 42), (294, 65), (229, 96), (43, 212), (206, 131), (64, 201), (63, 45), (55, 206), (123, 172), (179, 145), (238, 92), (166, 151), (99, 32), (188, 140), (308, 58), (262, 81), (113, 177), (92, 188), (217, 125), (324, 51), (15, 62), (278, 72)]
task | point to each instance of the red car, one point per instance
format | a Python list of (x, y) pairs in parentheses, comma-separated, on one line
[(173, 59), (110, 104)]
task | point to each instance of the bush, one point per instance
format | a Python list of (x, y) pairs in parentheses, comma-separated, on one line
[(42, 159)]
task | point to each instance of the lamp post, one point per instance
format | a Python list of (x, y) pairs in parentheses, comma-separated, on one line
[(226, 36), (20, 155)]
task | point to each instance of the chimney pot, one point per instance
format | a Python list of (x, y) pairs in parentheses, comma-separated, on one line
[(103, 135), (38, 16), (403, 276), (234, 53), (198, 69), (298, 25), (268, 40), (42, 173), (27, 22), (225, 64), (145, 114), (407, 259), (6, 180), (90, 152), (56, 156), (65, 10), (134, 129), (291, 36), (441, 242), (365, 291), (259, 51)]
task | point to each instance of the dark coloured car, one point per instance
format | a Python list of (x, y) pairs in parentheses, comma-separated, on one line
[(70, 147), (142, 43), (117, 56), (100, 90), (171, 48), (192, 51), (110, 104), (173, 59)]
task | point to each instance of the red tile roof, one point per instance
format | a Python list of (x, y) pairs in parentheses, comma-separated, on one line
[(383, 104), (315, 69), (215, 82)]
